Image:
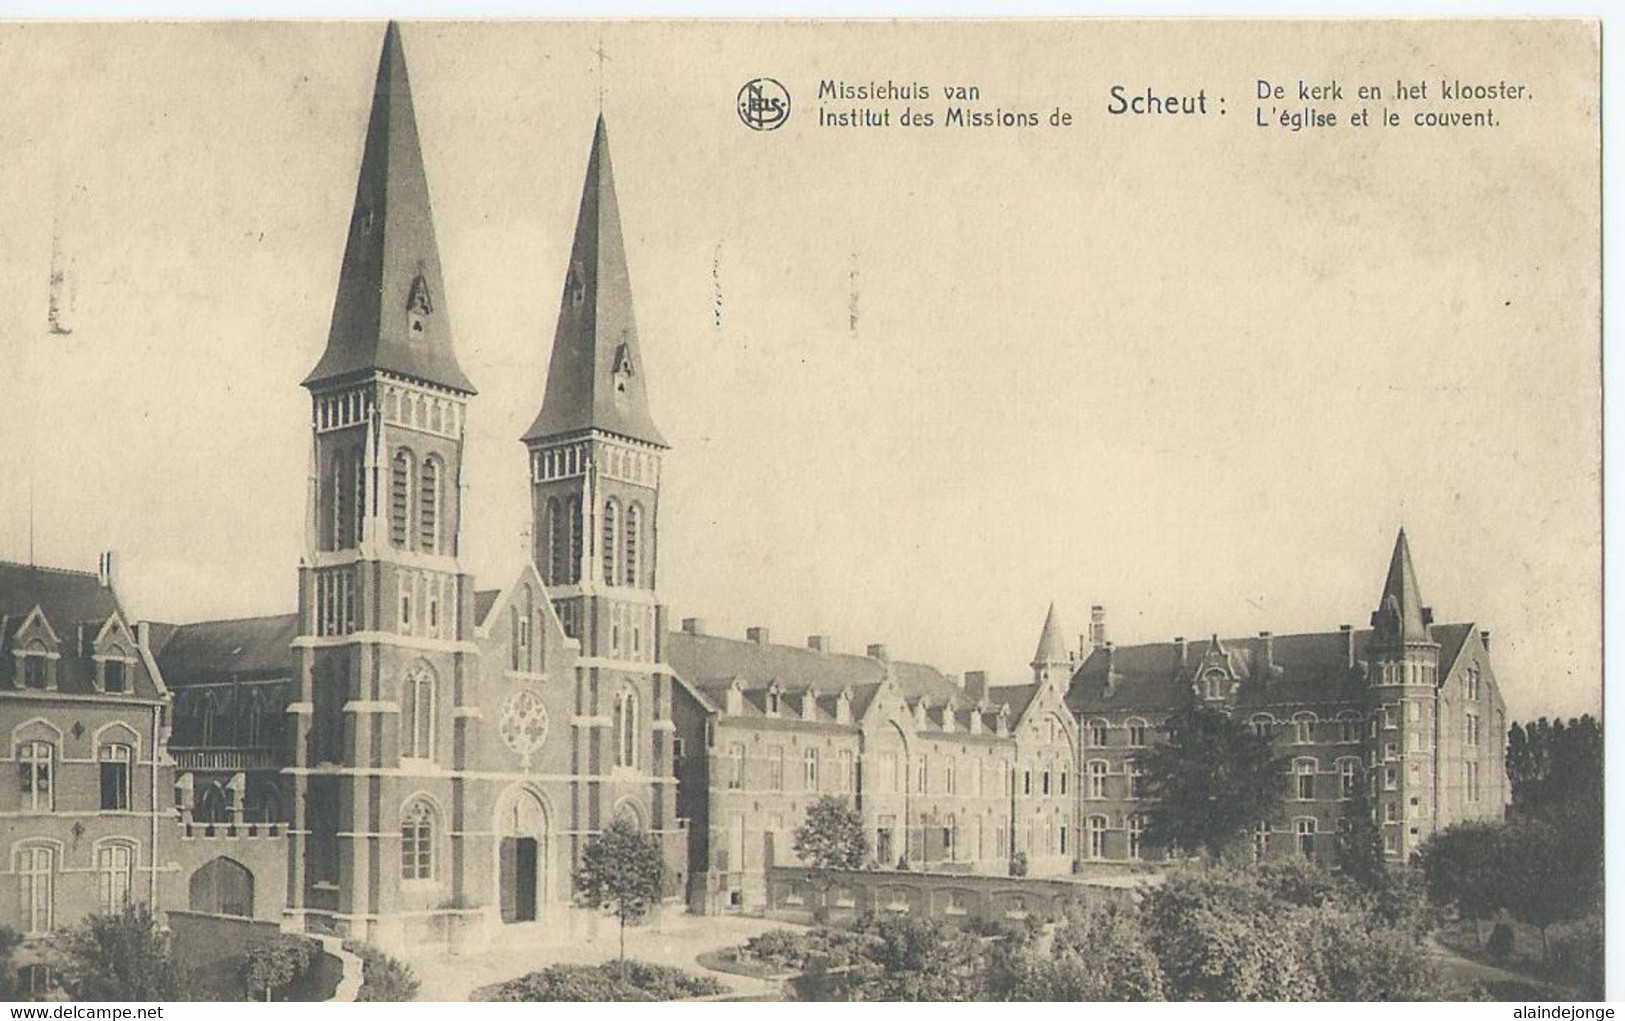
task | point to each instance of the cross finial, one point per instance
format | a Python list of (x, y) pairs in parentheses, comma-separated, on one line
[(602, 56)]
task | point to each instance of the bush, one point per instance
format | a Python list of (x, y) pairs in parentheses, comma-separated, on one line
[(275, 965), (384, 979), (1018, 863), (1577, 954), (793, 950), (124, 956), (611, 982), (1098, 954)]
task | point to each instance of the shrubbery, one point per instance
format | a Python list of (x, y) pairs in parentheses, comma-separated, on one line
[(1577, 954), (613, 981), (795, 949), (277, 964), (384, 979)]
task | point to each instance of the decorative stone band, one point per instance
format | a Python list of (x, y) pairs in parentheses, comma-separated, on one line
[(424, 770), (385, 638), (378, 708), (467, 712), (591, 721)]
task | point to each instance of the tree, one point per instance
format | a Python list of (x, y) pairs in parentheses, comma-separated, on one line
[(1464, 867), (1212, 781), (1360, 855), (623, 872), (1542, 882), (1097, 955), (918, 959), (832, 836), (270, 966), (123, 956)]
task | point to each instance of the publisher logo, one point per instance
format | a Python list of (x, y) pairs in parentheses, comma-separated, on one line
[(763, 104)]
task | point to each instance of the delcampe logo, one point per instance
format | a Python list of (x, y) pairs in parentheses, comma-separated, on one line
[(763, 104)]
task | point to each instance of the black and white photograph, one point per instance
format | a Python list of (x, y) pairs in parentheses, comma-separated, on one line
[(627, 510)]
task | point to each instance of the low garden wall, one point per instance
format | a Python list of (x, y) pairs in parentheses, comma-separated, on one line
[(803, 894)]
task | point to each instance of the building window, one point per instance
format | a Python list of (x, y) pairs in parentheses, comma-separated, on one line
[(34, 672), (35, 760), (577, 536), (429, 506), (1472, 730), (1472, 781), (1472, 683), (417, 842), (736, 766), (1261, 726), (1063, 773), (1305, 770), (1390, 842), (113, 676), (1097, 779), (1390, 811), (1348, 730), (1043, 783), (1214, 683), (1136, 780), (634, 526), (113, 867), (1136, 733), (1027, 782), (37, 868), (1136, 836), (626, 729), (775, 765), (922, 778), (1097, 836), (115, 777), (1097, 733), (1261, 840), (400, 496), (809, 769), (950, 781), (1306, 837), (1346, 770), (611, 526), (1390, 778), (1303, 728), (418, 712)]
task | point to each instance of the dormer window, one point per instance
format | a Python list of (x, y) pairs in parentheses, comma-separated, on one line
[(113, 679), (419, 304), (622, 368), (773, 702), (1213, 684), (34, 672)]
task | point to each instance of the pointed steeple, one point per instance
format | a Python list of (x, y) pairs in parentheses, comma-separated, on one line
[(596, 378), (1051, 646), (390, 312), (1400, 613)]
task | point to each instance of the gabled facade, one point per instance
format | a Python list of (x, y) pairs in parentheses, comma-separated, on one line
[(84, 715), (1409, 708)]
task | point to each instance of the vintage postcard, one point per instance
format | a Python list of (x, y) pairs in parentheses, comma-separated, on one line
[(805, 510)]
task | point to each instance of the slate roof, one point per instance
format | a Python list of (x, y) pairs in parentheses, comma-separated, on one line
[(1310, 668), (216, 650), (70, 600), (596, 331), (711, 665), (391, 261), (483, 601)]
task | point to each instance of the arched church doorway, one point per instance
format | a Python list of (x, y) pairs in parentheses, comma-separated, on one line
[(522, 855)]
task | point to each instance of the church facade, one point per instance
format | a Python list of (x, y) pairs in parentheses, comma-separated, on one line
[(407, 757)]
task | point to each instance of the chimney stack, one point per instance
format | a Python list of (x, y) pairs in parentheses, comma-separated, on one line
[(976, 685), (1111, 669), (1179, 650), (1484, 636), (757, 635), (104, 569), (1266, 653), (877, 650), (819, 643), (1347, 631), (1097, 627), (693, 626)]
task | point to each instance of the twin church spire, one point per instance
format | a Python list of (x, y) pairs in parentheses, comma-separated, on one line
[(390, 312)]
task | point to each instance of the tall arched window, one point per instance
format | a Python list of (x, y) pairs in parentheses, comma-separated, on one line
[(417, 841), (342, 500), (429, 506), (626, 729), (417, 712), (634, 524), (612, 511), (558, 544), (401, 471)]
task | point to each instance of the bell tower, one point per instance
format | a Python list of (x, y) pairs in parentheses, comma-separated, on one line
[(595, 460), (386, 620), (1403, 663)]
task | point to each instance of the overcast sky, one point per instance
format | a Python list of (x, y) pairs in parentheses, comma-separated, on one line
[(1191, 369)]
